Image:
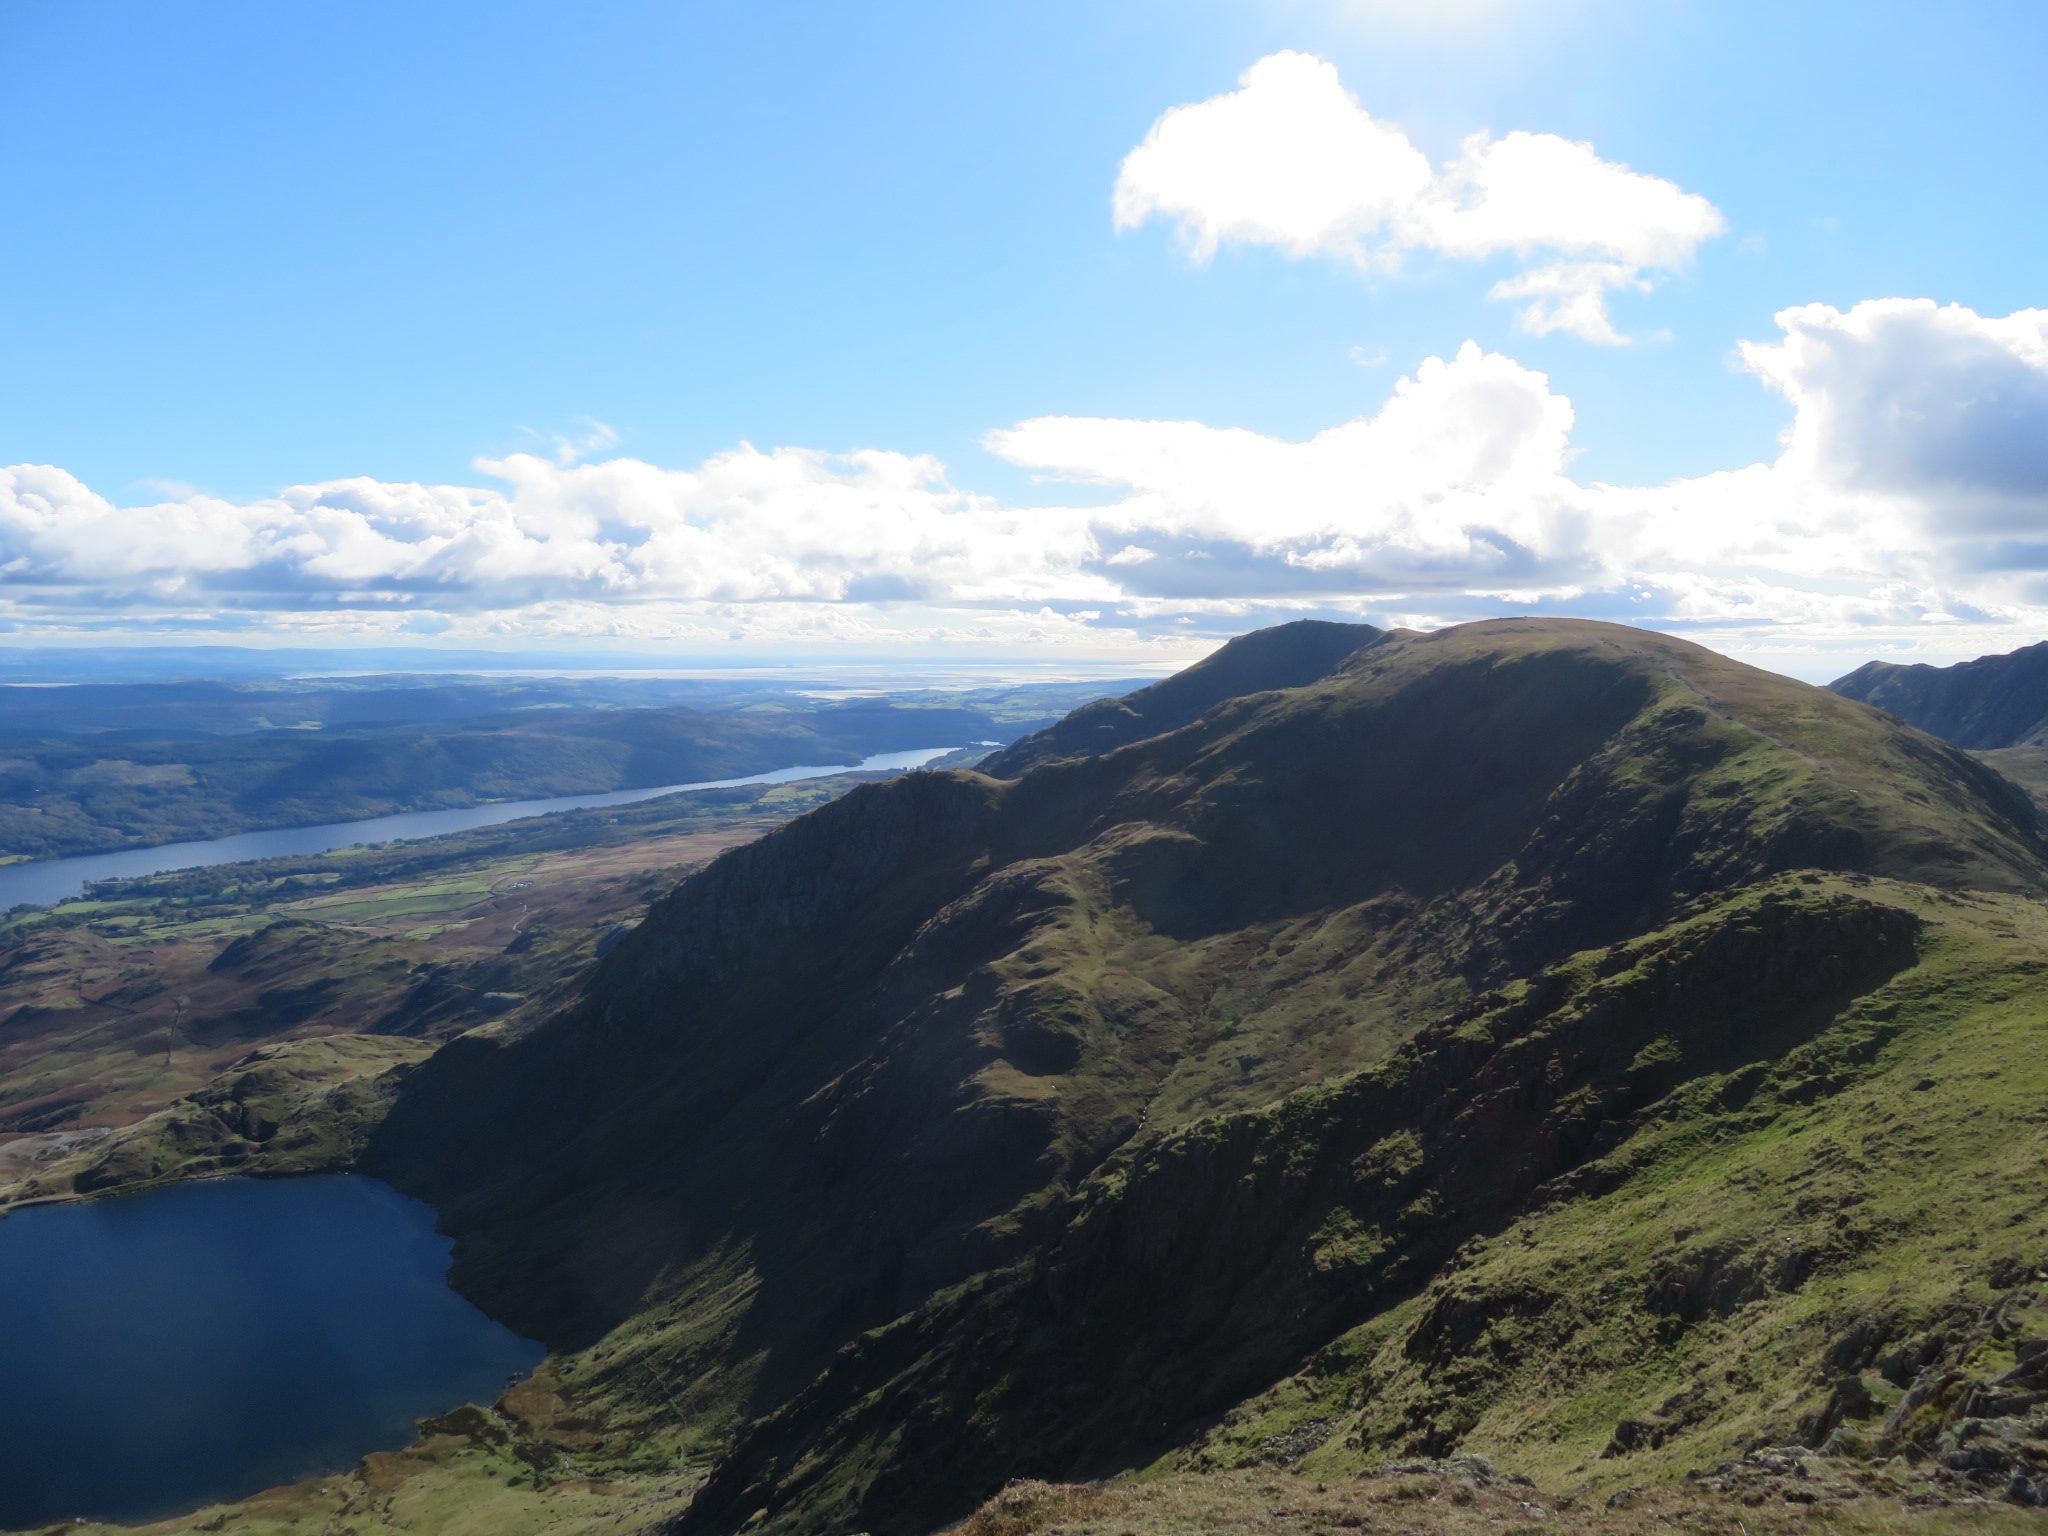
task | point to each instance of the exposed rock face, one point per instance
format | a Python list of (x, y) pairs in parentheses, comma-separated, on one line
[(934, 1139)]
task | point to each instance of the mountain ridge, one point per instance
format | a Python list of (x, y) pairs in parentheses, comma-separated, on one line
[(1299, 1260), (875, 1056)]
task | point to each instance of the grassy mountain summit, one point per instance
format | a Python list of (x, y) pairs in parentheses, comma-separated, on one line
[(1506, 1038), (1285, 656)]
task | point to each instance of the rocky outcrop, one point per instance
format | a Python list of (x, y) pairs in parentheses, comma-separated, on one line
[(297, 1107)]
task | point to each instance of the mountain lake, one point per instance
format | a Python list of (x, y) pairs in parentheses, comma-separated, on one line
[(204, 1341)]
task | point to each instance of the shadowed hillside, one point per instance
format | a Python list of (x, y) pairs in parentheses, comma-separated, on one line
[(970, 1127)]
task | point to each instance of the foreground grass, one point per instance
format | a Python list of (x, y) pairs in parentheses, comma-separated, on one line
[(1762, 1235), (473, 1472), (1271, 1502)]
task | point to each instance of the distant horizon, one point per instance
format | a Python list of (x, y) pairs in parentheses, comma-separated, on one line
[(245, 663), (906, 671)]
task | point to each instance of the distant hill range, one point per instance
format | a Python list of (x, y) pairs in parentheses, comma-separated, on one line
[(1997, 706), (97, 767), (1994, 701)]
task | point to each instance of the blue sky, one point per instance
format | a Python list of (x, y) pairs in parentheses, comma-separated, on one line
[(258, 246)]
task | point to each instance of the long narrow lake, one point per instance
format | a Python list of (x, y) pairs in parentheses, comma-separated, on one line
[(200, 1343), (57, 880)]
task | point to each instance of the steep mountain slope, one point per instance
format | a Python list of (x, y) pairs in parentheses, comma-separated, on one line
[(971, 1127), (1994, 701), (1285, 656), (1805, 1208), (1656, 1206)]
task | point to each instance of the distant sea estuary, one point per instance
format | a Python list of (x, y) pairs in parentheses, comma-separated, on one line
[(56, 880), (203, 1342)]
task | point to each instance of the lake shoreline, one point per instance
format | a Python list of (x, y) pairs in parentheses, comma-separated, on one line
[(50, 882)]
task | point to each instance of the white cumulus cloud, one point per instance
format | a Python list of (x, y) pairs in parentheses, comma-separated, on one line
[(1910, 497), (1292, 160), (1908, 508), (1459, 477), (1905, 397), (745, 526)]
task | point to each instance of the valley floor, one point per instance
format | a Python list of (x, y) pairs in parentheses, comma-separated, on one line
[(116, 1007)]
